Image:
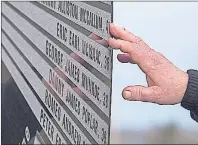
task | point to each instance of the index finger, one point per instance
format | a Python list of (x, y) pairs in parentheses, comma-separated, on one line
[(123, 34)]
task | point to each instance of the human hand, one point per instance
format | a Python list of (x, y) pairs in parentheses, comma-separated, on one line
[(166, 83)]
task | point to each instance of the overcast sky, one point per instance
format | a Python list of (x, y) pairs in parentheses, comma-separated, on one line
[(170, 28)]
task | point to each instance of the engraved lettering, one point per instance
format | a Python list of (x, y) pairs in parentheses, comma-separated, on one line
[(74, 40), (51, 4), (68, 9), (61, 32), (54, 54), (46, 124), (90, 86), (73, 101), (90, 120), (91, 19), (91, 52), (52, 104), (56, 82), (71, 130), (72, 70)]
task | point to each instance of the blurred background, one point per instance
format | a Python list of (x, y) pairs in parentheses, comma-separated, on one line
[(172, 29)]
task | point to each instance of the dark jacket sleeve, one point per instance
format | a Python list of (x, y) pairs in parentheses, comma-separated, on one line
[(190, 99)]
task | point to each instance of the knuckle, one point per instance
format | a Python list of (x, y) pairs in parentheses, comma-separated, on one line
[(138, 39), (157, 94), (139, 94), (121, 44), (161, 57), (124, 46)]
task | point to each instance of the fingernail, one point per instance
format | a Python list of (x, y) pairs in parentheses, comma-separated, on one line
[(127, 95), (112, 24), (110, 38), (111, 27)]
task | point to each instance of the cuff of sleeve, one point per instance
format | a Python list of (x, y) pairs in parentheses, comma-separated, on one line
[(190, 98), (194, 116)]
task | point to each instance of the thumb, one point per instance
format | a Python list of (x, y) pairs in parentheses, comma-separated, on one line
[(141, 93)]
